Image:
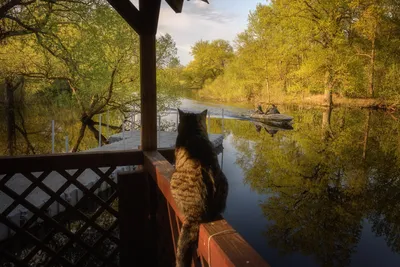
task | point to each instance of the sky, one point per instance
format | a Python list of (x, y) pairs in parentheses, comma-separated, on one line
[(220, 19)]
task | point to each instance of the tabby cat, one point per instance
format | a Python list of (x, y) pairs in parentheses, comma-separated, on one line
[(198, 184)]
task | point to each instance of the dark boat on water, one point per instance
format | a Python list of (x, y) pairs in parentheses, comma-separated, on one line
[(279, 120)]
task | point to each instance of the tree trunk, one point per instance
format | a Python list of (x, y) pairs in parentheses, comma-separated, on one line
[(10, 117), (268, 91), (372, 69), (96, 133), (326, 124), (81, 135), (328, 89), (366, 134)]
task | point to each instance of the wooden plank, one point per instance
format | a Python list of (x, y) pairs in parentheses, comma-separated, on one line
[(67, 161), (135, 243), (176, 5), (227, 247), (150, 9), (148, 92), (150, 12), (161, 170), (165, 243), (129, 13), (168, 154)]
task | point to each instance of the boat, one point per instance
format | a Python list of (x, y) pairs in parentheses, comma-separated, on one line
[(268, 127), (278, 120)]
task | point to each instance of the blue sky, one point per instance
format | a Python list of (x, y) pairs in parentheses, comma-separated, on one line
[(220, 19)]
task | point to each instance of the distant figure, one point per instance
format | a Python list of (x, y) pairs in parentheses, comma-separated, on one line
[(272, 110), (259, 110)]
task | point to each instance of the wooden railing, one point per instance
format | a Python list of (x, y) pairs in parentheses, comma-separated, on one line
[(137, 216), (219, 244), (61, 209)]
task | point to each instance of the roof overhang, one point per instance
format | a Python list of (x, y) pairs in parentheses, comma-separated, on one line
[(177, 5)]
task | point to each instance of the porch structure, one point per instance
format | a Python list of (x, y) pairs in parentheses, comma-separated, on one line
[(136, 218)]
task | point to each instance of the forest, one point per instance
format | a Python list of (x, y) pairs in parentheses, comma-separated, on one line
[(324, 182), (75, 60), (71, 61), (304, 51)]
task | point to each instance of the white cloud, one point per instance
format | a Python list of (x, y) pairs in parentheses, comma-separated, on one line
[(218, 20), (198, 20)]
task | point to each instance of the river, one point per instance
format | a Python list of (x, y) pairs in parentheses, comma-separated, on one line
[(326, 193)]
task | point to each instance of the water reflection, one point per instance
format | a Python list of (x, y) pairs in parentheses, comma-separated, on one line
[(323, 193), (322, 180)]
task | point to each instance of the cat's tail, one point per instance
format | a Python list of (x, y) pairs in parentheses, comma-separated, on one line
[(187, 239)]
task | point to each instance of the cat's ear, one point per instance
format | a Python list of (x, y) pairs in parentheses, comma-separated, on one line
[(180, 112), (204, 113)]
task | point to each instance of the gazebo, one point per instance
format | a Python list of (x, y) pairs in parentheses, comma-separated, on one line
[(142, 220)]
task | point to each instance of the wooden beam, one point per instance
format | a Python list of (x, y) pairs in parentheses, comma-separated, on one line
[(148, 92), (67, 161), (129, 13), (227, 247), (168, 153), (150, 10), (136, 233), (176, 5)]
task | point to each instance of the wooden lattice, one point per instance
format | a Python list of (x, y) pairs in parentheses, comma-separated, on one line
[(45, 240)]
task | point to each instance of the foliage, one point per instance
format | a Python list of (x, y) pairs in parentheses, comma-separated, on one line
[(84, 57), (300, 48), (210, 60), (322, 189)]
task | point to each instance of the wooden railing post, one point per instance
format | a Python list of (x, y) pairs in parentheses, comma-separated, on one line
[(136, 233), (149, 10)]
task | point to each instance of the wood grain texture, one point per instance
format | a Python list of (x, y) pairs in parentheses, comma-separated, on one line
[(148, 91), (34, 163), (227, 248), (135, 231)]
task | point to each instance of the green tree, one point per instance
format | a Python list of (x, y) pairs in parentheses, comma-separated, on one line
[(209, 61), (95, 59)]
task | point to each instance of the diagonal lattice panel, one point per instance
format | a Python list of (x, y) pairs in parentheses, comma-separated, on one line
[(52, 222), (94, 238), (89, 222)]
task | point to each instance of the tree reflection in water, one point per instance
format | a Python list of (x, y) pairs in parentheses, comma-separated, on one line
[(335, 169)]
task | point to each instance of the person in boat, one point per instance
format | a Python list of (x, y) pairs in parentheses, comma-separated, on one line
[(259, 110), (272, 110)]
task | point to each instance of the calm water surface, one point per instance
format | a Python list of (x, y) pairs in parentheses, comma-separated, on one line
[(326, 193)]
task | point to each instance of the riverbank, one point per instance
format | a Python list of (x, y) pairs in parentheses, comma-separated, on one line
[(313, 101)]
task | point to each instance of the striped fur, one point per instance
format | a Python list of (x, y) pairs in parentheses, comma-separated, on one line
[(198, 184)]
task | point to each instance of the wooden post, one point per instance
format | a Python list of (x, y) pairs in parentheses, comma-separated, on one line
[(136, 235), (148, 91), (148, 88)]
